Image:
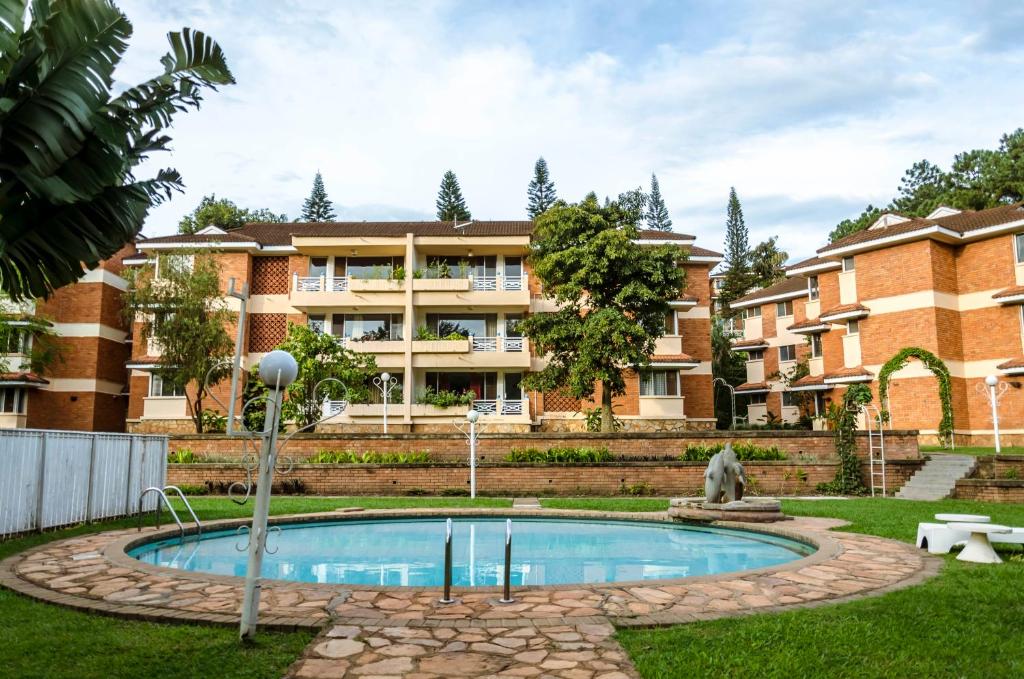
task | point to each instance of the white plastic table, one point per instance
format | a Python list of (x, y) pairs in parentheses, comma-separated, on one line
[(978, 548), (963, 518)]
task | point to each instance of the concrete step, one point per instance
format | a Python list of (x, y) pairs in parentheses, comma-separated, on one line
[(937, 478)]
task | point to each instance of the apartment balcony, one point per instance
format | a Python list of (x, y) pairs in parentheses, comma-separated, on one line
[(335, 411), (388, 353), (496, 290), (662, 406), (488, 408), (668, 345), (164, 408), (472, 352), (318, 292)]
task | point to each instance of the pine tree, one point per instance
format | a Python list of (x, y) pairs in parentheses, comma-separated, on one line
[(738, 277), (657, 213), (451, 206), (541, 192), (317, 208)]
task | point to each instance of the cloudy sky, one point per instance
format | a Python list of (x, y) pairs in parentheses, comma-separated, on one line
[(810, 109)]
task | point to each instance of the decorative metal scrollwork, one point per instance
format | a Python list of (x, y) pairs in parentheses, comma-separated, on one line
[(248, 538), (266, 542)]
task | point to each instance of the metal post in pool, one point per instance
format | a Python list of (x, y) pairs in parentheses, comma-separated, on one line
[(447, 598), (507, 598), (278, 369)]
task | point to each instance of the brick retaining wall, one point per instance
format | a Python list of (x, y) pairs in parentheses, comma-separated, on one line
[(1008, 467), (660, 478), (899, 444), (1010, 491)]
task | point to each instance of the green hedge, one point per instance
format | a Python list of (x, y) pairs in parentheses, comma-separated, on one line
[(560, 455), (745, 452), (352, 457)]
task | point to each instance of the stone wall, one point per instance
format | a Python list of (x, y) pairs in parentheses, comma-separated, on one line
[(1010, 491), (650, 478), (798, 445)]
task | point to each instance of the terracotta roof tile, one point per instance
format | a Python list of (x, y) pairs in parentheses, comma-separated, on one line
[(783, 287), (753, 386), (674, 358), (748, 344), (844, 309), (813, 261), (1011, 364), (809, 323), (654, 234), (703, 252), (809, 381), (24, 377), (859, 371), (1009, 292)]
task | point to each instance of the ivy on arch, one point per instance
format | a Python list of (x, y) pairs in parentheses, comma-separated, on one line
[(938, 368)]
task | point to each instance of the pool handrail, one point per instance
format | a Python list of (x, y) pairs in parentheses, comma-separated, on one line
[(174, 515), (188, 506)]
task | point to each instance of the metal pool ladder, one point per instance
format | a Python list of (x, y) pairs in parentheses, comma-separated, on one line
[(162, 493)]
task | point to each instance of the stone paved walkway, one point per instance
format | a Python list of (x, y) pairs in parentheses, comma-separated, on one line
[(407, 632)]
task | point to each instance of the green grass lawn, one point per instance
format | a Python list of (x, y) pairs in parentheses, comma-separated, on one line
[(41, 640), (966, 622), (979, 451)]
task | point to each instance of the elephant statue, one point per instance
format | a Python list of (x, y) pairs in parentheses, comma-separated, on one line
[(724, 477)]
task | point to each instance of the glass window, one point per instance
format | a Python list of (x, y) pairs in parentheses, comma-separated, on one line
[(787, 352), (164, 388), (670, 323), (849, 264), (815, 346), (477, 325), (483, 385), (513, 267), (512, 325), (1018, 241), (317, 323), (789, 399), (179, 262), (513, 390), (659, 383), (13, 400), (367, 327), (755, 355), (853, 327), (16, 342), (757, 399), (317, 267), (784, 308), (754, 312), (812, 288), (370, 267)]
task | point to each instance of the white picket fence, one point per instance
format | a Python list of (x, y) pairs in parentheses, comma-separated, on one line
[(59, 478)]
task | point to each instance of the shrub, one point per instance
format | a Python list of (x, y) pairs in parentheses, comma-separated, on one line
[(638, 489), (352, 457), (189, 489), (445, 399), (416, 492), (292, 487), (455, 492), (746, 451), (214, 422), (183, 456), (560, 455)]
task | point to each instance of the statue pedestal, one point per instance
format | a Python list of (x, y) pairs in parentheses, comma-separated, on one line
[(754, 510)]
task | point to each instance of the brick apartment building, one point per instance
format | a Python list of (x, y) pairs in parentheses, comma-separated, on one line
[(85, 385), (394, 288), (951, 283)]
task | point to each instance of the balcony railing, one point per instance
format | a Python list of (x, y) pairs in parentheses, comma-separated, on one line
[(321, 283), (506, 283), (490, 344), (331, 408), (500, 406)]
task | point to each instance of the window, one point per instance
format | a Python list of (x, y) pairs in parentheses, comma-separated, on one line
[(13, 400), (368, 327), (757, 399), (1018, 242), (812, 288), (670, 323), (755, 355), (512, 322), (317, 267), (853, 327), (815, 346), (477, 325), (787, 352), (659, 383), (317, 324), (162, 388), (849, 264), (179, 262), (483, 385), (16, 342), (369, 267), (513, 266), (753, 312), (789, 399), (784, 308)]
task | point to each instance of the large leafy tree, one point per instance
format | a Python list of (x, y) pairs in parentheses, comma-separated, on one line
[(181, 307), (767, 263), (738, 276), (541, 192), (612, 294), (451, 206), (321, 357), (657, 213), (221, 212), (68, 148), (318, 207), (730, 366)]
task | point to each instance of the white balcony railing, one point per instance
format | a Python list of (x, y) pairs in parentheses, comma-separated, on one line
[(500, 406), (321, 283), (486, 406), (514, 407), (506, 283), (485, 283), (331, 408), (491, 344), (512, 283)]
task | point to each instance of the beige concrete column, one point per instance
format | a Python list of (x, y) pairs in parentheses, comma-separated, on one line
[(409, 328)]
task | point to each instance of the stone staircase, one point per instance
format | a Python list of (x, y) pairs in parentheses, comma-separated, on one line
[(937, 478)]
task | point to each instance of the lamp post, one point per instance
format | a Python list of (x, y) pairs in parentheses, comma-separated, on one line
[(993, 390), (472, 416), (385, 383), (732, 399), (278, 369)]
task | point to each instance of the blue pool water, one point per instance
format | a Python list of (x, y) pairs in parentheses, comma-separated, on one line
[(410, 552)]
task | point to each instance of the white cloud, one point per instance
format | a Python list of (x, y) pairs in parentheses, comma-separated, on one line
[(795, 108)]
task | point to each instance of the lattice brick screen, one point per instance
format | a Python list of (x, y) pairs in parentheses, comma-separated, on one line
[(269, 276), (266, 331), (560, 402)]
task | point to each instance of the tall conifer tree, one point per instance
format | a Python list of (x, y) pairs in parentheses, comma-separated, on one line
[(738, 277), (451, 206), (541, 192), (657, 213), (317, 208)]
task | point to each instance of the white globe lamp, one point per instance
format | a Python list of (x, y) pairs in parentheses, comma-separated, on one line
[(278, 369)]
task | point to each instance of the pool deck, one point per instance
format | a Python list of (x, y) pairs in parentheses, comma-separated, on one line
[(398, 631)]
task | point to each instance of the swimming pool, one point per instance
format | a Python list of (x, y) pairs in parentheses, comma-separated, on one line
[(409, 552)]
